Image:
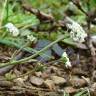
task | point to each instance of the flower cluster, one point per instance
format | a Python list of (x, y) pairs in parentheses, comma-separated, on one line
[(66, 60), (12, 29), (31, 38), (77, 33)]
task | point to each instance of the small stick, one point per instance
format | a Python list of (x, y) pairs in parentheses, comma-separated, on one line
[(41, 15)]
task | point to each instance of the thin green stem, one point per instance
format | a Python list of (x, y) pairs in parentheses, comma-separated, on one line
[(3, 11), (17, 51), (27, 49), (34, 55), (7, 11)]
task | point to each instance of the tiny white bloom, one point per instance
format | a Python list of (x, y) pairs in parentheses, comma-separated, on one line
[(31, 38), (77, 33), (67, 61), (12, 29)]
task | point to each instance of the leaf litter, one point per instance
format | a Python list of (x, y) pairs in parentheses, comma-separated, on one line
[(48, 76)]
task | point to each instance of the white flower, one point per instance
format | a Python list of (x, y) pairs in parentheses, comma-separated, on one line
[(77, 33), (31, 38), (67, 61), (12, 29)]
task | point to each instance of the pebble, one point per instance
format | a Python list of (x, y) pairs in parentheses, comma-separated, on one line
[(49, 84), (36, 80), (58, 80)]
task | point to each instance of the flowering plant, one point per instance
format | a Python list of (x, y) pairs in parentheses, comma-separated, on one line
[(12, 29), (77, 32), (66, 60)]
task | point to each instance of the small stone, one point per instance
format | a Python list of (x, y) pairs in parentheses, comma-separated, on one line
[(58, 80), (45, 75), (94, 76), (36, 80), (38, 74), (50, 84), (77, 82), (19, 82), (94, 86), (54, 69), (93, 89), (70, 90), (6, 84)]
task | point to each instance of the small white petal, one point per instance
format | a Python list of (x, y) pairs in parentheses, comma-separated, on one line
[(12, 29), (67, 63), (31, 38), (64, 54)]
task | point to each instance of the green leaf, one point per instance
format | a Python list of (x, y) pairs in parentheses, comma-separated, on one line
[(69, 41), (23, 19), (94, 1), (81, 93)]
